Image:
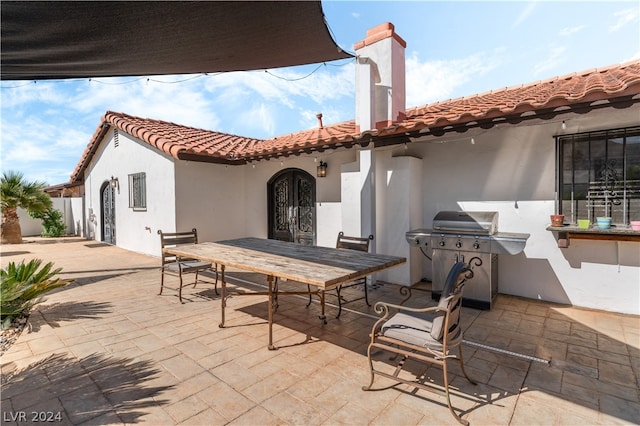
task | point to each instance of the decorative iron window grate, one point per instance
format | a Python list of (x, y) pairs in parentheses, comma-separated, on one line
[(599, 175), (138, 191)]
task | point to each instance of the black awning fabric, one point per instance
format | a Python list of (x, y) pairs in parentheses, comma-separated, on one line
[(72, 39)]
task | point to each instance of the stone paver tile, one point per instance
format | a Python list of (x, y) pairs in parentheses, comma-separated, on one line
[(258, 416), (529, 412), (235, 375), (69, 331), (397, 414), (85, 404), (615, 373), (85, 349), (294, 411), (44, 411), (46, 344), (608, 344), (17, 352), (226, 401), (580, 395), (186, 408), (509, 379), (350, 414), (497, 409), (309, 388), (150, 343), (617, 411), (152, 414), (110, 418), (194, 349), (181, 366), (543, 377), (24, 381), (333, 397), (218, 358), (270, 386), (193, 385), (206, 417)]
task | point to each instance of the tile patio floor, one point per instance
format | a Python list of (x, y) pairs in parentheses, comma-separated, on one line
[(108, 350)]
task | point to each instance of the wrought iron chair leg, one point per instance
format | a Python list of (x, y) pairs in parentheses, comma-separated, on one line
[(446, 390), (338, 289), (366, 294), (368, 387), (180, 289), (161, 281), (462, 366), (310, 299)]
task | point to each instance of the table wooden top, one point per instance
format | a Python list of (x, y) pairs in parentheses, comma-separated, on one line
[(323, 267)]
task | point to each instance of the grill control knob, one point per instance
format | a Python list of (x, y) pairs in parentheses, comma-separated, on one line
[(441, 243), (476, 245), (459, 244)]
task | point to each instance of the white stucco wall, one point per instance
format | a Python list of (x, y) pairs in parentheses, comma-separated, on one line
[(210, 197), (135, 230), (512, 170), (398, 179), (71, 209)]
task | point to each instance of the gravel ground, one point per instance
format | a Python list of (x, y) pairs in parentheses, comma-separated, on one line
[(11, 333)]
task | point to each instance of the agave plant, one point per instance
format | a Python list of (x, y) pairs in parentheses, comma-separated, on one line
[(23, 285)]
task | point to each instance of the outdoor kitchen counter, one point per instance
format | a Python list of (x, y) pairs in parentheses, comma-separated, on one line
[(615, 233)]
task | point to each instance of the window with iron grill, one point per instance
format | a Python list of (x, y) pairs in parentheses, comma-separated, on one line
[(138, 191), (599, 175)]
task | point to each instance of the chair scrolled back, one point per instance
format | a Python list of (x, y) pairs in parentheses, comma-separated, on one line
[(174, 265), (458, 274)]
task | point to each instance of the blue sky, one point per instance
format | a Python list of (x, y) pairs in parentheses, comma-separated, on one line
[(454, 49)]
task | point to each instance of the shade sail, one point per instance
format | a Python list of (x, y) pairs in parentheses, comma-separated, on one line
[(69, 39)]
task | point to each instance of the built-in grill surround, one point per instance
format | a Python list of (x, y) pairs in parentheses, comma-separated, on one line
[(459, 235)]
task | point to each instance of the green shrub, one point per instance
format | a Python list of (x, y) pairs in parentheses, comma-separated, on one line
[(23, 285), (52, 222)]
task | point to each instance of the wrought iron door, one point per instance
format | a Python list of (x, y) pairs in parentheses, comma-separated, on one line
[(108, 214), (292, 200)]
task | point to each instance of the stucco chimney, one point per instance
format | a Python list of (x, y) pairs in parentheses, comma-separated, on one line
[(380, 78)]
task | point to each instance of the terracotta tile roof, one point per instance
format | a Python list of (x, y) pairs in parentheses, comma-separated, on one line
[(184, 142), (577, 88), (174, 139)]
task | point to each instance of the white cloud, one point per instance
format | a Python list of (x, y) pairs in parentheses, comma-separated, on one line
[(567, 31), (624, 17), (437, 80), (526, 12), (554, 58)]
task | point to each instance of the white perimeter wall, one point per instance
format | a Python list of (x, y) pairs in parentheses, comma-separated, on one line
[(71, 209)]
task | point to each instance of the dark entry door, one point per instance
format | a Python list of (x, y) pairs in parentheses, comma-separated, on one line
[(108, 214), (292, 200)]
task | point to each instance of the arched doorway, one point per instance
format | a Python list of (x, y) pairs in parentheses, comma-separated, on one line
[(292, 206), (108, 202)]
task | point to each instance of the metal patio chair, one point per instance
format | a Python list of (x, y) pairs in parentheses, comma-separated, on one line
[(351, 243), (426, 335), (175, 266)]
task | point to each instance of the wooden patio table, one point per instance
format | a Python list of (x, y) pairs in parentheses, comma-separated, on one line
[(322, 267)]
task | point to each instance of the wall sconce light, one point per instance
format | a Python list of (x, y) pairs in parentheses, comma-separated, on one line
[(322, 169), (115, 184)]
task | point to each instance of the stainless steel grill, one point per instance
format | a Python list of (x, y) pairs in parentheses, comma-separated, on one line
[(472, 237)]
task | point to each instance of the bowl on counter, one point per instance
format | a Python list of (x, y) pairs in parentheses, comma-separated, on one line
[(584, 223), (603, 222)]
